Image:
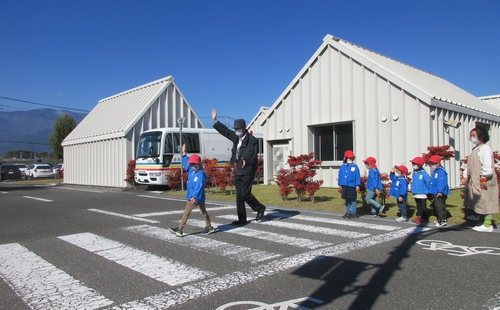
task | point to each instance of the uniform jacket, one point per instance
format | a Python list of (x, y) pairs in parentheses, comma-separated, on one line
[(439, 182), (248, 150), (349, 175), (399, 186), (373, 181), (195, 183), (420, 182)]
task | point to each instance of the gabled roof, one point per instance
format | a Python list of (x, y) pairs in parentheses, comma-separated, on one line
[(115, 116), (421, 84)]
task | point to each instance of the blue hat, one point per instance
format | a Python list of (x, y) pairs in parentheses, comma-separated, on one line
[(239, 123)]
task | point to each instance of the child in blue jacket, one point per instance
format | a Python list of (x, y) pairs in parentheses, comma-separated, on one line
[(373, 186), (349, 180), (197, 180), (420, 188), (439, 188), (399, 190)]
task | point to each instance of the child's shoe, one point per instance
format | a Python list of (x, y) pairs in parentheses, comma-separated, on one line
[(441, 223), (353, 216), (417, 220), (401, 219), (382, 208), (346, 215), (483, 228), (176, 231)]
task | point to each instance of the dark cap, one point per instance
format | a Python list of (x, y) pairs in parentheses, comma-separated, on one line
[(239, 123)]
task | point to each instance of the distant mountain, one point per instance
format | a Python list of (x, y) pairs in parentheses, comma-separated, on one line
[(30, 130)]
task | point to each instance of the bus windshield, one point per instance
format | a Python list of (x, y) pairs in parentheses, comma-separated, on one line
[(149, 144)]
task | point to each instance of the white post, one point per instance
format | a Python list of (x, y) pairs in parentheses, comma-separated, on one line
[(180, 120)]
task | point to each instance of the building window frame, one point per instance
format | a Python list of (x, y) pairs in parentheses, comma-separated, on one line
[(331, 140)]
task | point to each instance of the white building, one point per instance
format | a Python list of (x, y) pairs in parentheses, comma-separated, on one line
[(348, 97), (98, 150)]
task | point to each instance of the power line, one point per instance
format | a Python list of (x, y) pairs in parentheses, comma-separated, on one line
[(41, 104)]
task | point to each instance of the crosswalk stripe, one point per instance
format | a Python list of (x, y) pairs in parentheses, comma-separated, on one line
[(193, 291), (162, 269), (178, 212), (351, 223), (207, 245), (124, 216), (308, 228), (264, 235), (43, 286)]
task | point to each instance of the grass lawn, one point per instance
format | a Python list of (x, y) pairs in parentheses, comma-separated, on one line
[(328, 199)]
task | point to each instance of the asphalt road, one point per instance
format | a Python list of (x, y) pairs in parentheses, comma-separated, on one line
[(65, 247)]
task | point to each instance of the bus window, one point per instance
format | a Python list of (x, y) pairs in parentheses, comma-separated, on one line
[(172, 142)]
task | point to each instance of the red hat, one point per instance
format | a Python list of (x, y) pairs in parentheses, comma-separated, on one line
[(417, 160), (403, 169), (434, 159), (371, 161), (194, 159), (348, 154)]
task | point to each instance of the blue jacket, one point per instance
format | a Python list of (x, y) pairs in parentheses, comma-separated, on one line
[(349, 175), (420, 182), (196, 182), (439, 182), (373, 181), (399, 186)]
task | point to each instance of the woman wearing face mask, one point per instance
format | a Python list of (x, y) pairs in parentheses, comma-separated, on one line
[(479, 178)]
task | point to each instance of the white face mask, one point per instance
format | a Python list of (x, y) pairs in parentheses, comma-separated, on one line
[(474, 141), (350, 161), (397, 174), (415, 167), (239, 132), (433, 167)]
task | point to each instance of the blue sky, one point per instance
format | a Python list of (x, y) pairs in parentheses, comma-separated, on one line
[(234, 56)]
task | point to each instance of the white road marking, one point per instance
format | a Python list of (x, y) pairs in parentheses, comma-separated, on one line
[(178, 212), (159, 268), (264, 235), (207, 245), (124, 216), (193, 291), (4, 192), (352, 223), (41, 199), (308, 228), (79, 189), (41, 285)]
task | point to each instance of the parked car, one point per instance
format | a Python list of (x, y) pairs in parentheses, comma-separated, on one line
[(23, 168), (11, 172), (56, 169), (40, 171)]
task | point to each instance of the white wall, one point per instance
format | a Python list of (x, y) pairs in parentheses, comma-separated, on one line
[(334, 88)]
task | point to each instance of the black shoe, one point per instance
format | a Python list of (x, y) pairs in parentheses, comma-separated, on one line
[(260, 214), (238, 222)]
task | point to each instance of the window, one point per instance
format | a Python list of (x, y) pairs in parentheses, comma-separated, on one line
[(191, 140), (331, 141), (149, 144)]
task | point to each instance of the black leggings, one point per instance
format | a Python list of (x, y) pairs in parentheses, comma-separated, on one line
[(422, 210)]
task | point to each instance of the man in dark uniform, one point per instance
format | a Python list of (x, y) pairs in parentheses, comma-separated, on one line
[(244, 154)]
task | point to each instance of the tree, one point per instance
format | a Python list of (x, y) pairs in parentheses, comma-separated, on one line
[(62, 127)]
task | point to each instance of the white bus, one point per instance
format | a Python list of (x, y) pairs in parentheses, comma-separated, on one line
[(159, 150)]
